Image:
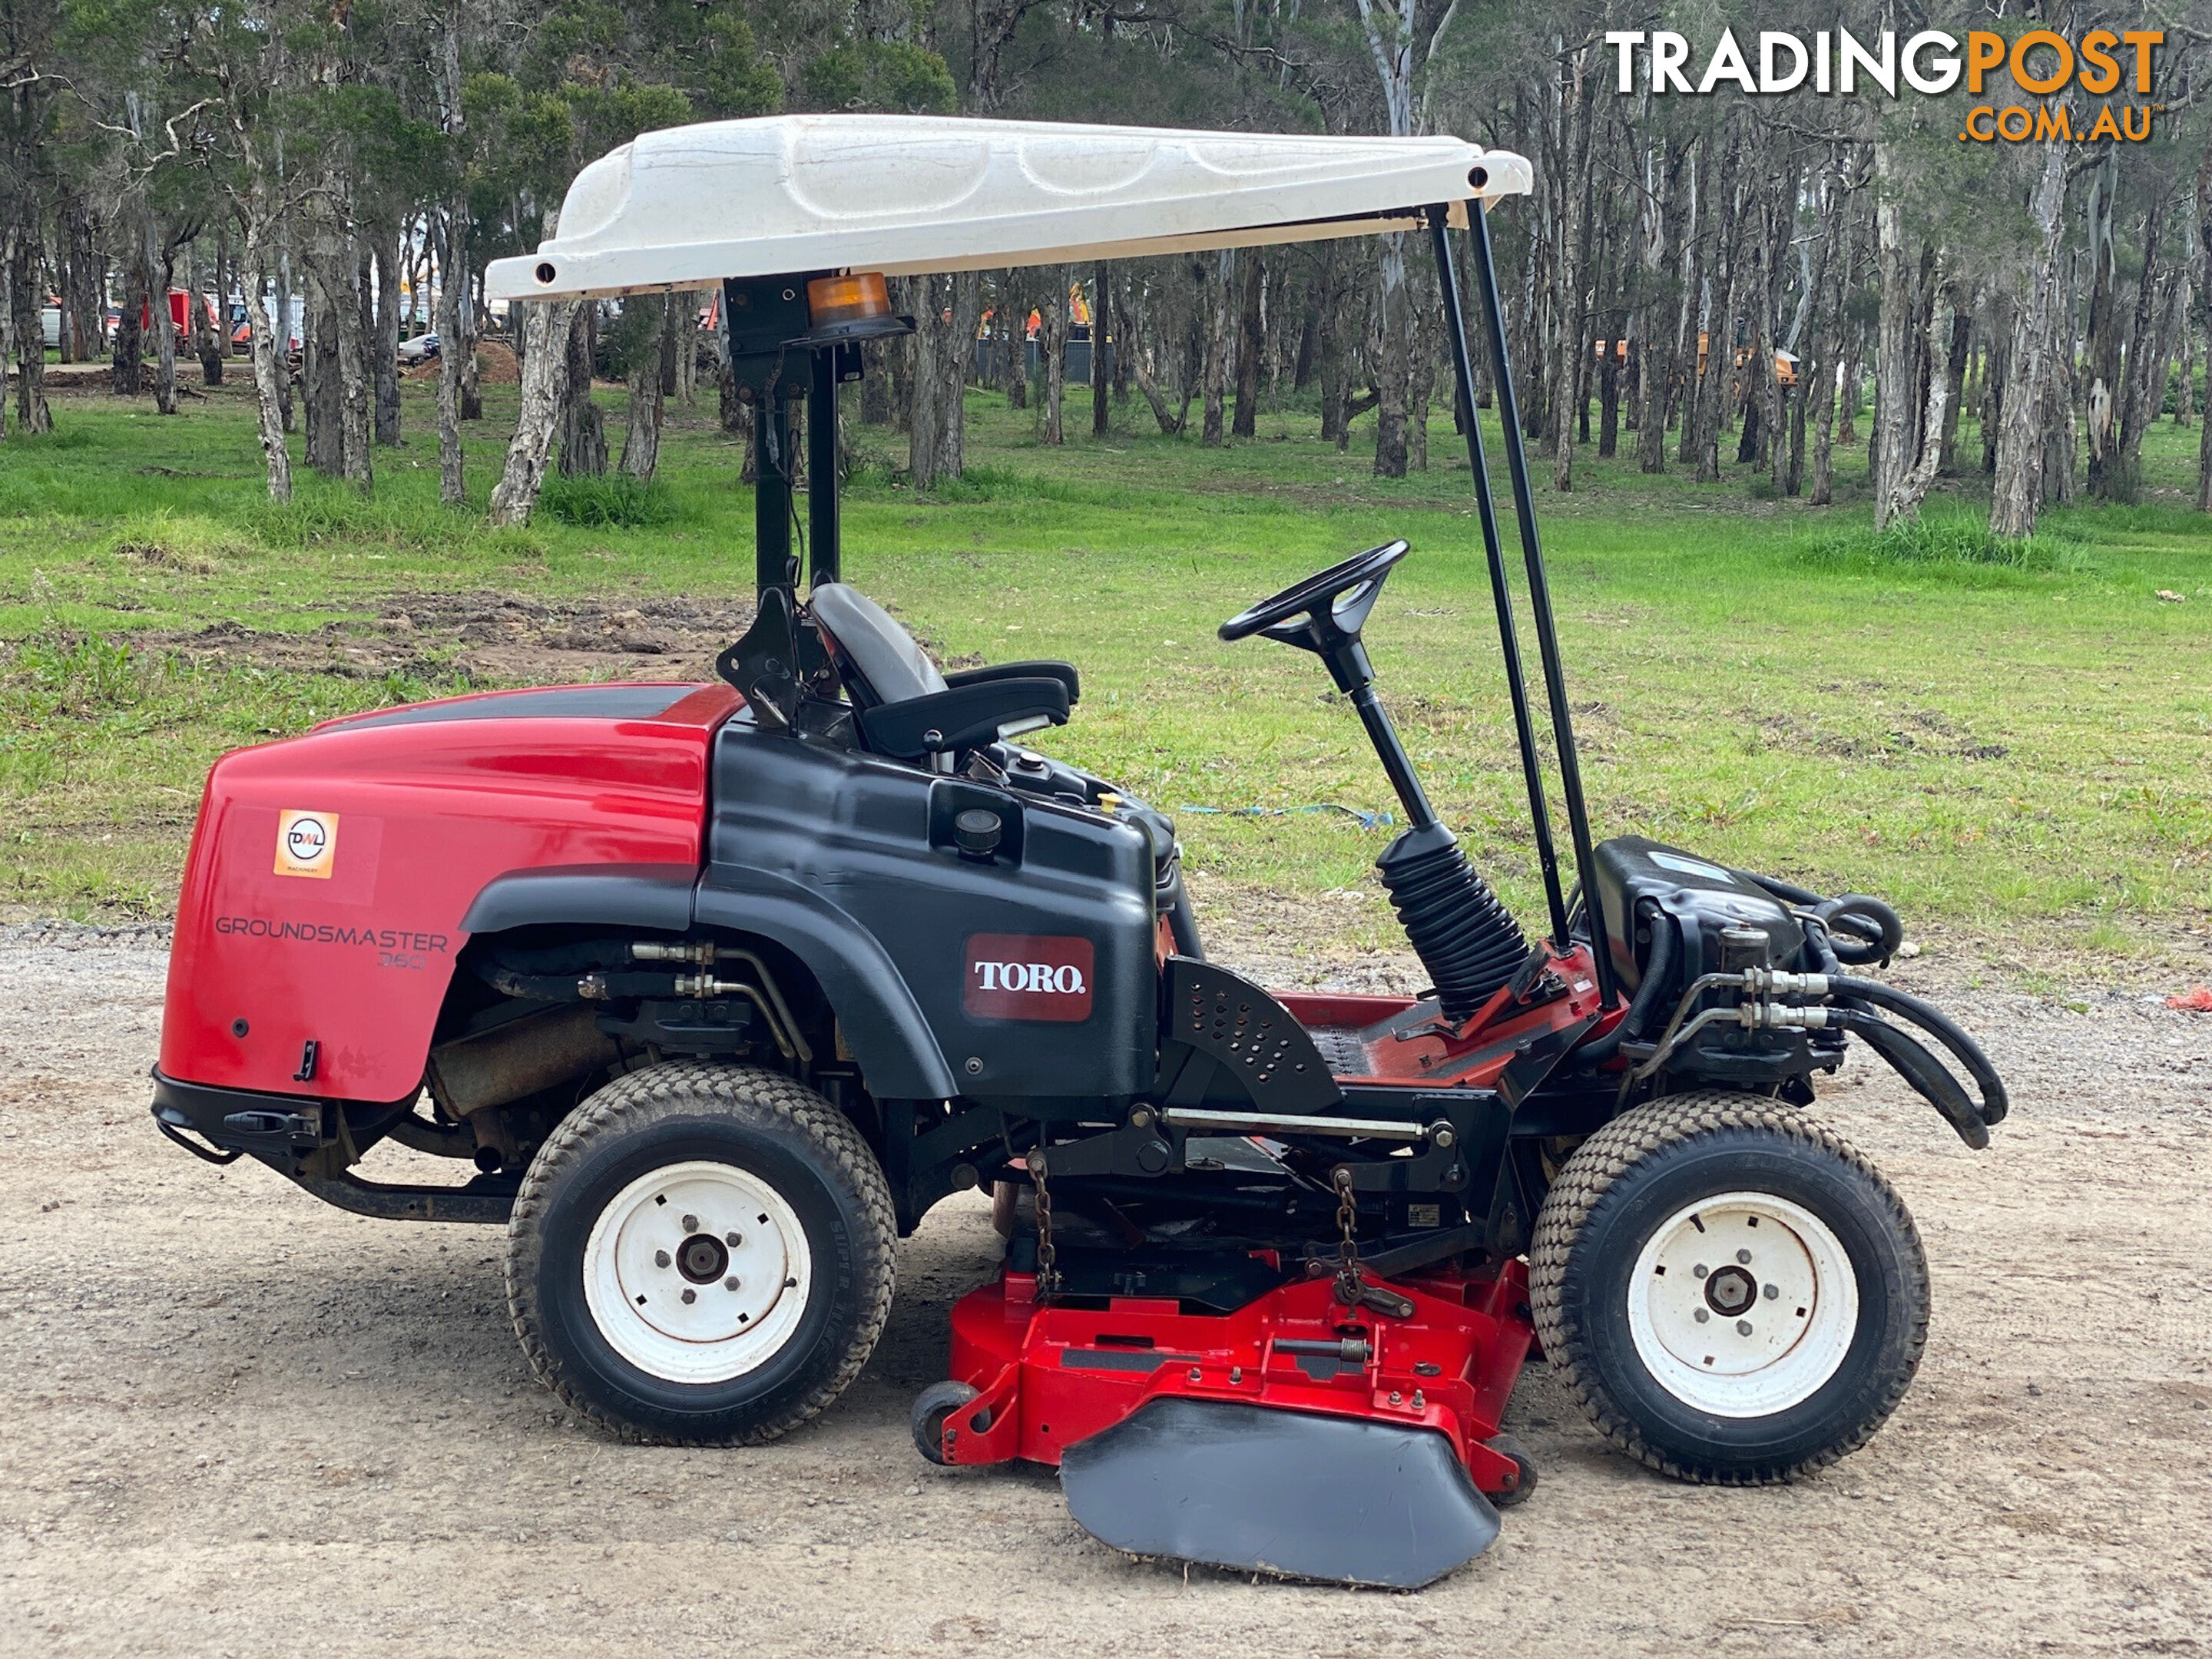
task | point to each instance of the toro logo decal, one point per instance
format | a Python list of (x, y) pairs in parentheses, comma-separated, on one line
[(1027, 976), (307, 843)]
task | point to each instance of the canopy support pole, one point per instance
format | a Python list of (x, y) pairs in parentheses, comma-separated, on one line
[(1540, 602), (771, 490), (1524, 726), (823, 551)]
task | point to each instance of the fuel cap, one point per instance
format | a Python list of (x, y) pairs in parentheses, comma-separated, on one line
[(976, 832)]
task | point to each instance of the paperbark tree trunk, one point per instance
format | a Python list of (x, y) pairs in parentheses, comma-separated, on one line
[(1896, 384), (2016, 495), (269, 367), (2102, 349), (385, 336), (1011, 328), (127, 372), (1911, 488), (1051, 347), (1101, 309), (1995, 368), (2143, 385), (319, 378), (1392, 360), (207, 331), (453, 290), (1221, 310), (25, 291), (1954, 379), (1659, 325), (944, 346), (2204, 293), (545, 328), (1250, 344), (642, 441), (356, 390), (159, 267), (583, 426)]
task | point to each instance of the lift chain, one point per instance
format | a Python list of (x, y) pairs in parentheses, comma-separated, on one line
[(1353, 1288), (1349, 1283), (1048, 1255)]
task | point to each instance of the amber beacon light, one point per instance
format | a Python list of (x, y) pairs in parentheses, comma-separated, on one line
[(855, 306)]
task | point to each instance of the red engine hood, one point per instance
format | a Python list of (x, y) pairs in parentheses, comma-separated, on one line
[(329, 873)]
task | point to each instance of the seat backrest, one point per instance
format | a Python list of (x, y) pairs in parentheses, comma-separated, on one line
[(890, 665)]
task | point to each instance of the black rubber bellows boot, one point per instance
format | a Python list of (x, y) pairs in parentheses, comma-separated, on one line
[(1464, 937)]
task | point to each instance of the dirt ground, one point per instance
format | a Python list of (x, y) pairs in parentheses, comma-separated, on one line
[(496, 637), (239, 1422)]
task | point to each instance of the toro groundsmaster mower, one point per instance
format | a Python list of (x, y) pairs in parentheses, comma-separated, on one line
[(713, 990)]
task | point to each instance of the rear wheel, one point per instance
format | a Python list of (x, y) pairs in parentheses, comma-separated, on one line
[(1730, 1291), (701, 1253)]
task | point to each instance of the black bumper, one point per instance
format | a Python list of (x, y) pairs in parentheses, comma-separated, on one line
[(307, 1141)]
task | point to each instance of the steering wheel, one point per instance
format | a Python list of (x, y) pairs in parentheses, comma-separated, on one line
[(1324, 609)]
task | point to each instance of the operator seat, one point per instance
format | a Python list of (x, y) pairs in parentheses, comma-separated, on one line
[(878, 660), (906, 708)]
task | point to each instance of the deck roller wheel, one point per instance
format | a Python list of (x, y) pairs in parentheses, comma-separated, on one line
[(1730, 1291), (931, 1408)]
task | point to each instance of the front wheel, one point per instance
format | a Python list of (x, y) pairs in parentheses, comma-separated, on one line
[(701, 1253), (1731, 1292)]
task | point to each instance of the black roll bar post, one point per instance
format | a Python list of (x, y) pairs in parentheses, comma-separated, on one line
[(1509, 639), (1540, 587), (771, 490), (822, 529)]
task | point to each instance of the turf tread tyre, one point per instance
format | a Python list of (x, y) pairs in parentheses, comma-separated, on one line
[(1596, 1167), (685, 1088)]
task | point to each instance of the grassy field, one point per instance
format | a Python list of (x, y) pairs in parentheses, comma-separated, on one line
[(2019, 755)]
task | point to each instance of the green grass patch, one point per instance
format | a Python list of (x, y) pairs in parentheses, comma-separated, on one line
[(1944, 536), (2008, 743), (617, 501)]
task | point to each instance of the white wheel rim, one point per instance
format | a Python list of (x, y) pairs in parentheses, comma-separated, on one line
[(641, 1258), (1742, 1305)]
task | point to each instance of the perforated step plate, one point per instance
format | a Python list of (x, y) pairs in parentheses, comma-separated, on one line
[(1249, 1035)]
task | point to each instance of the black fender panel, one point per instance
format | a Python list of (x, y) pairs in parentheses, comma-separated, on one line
[(653, 896), (884, 1026)]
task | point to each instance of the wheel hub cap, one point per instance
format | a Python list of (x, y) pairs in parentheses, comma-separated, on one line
[(697, 1273), (1743, 1304)]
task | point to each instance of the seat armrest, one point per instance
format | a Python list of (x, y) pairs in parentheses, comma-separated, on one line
[(963, 716), (1064, 672)]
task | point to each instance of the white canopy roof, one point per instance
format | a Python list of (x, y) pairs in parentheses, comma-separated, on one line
[(687, 206)]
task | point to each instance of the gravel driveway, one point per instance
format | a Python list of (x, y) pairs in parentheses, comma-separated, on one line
[(239, 1422)]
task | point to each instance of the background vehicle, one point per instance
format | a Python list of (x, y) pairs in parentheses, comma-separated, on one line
[(719, 988)]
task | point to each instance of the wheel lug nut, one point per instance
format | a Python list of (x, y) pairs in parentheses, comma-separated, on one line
[(1743, 1328), (690, 1224), (731, 1283), (1770, 1292), (1744, 1256), (661, 1258), (734, 1239), (1700, 1315), (1701, 1270), (689, 1296)]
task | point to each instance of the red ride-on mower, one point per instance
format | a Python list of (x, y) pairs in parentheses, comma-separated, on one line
[(719, 988)]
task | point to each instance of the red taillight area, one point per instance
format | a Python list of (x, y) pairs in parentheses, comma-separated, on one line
[(341, 930)]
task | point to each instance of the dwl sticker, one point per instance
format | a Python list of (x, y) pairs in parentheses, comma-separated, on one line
[(307, 843)]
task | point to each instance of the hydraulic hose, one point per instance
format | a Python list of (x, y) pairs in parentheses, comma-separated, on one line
[(1872, 929), (1922, 1070), (1657, 967), (1939, 1025)]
